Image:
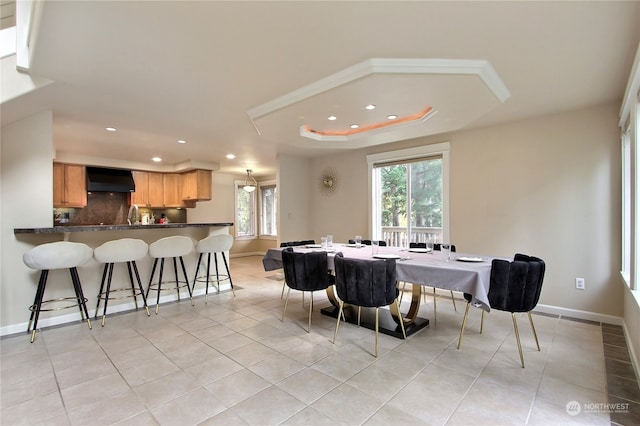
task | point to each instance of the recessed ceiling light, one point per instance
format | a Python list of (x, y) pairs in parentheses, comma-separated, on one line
[(370, 106), (392, 117), (332, 117), (111, 129), (181, 141), (157, 159), (231, 156), (354, 126)]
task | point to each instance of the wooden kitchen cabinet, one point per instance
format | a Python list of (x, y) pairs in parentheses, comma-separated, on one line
[(149, 189), (196, 185), (172, 196), (69, 185)]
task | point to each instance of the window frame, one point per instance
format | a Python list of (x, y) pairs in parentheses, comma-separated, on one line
[(238, 184), (261, 187), (405, 155)]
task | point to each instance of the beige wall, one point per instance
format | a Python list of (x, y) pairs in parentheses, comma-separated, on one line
[(548, 187)]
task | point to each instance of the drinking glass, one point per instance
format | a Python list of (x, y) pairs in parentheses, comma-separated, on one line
[(430, 246), (374, 247), (358, 240), (329, 240), (323, 242), (446, 251)]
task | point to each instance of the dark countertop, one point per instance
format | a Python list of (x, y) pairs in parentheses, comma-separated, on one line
[(91, 228)]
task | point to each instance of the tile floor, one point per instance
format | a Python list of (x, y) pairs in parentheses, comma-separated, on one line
[(232, 362)]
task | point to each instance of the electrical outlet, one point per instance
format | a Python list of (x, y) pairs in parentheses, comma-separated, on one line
[(580, 283)]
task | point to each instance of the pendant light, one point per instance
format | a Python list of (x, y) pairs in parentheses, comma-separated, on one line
[(250, 183)]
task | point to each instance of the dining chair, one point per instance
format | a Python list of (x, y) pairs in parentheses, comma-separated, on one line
[(514, 287), (366, 283), (293, 244), (305, 272), (381, 243)]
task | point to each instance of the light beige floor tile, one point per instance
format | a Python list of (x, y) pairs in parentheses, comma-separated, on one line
[(388, 415), (308, 385), (545, 413), (378, 382), (270, 406), (252, 353), (39, 410), (237, 387), (189, 409), (145, 418), (347, 405), (229, 342), (107, 410), (148, 369), (213, 369), (340, 367), (15, 393), (211, 333), (276, 368), (309, 353), (135, 357), (225, 418), (309, 416), (167, 388), (100, 388)]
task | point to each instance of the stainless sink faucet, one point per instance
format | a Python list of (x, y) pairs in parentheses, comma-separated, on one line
[(135, 218)]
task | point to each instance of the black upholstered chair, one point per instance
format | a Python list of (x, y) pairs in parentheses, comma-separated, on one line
[(514, 287), (381, 243), (366, 283), (305, 272), (293, 244)]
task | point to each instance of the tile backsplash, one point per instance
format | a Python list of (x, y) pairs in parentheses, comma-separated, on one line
[(109, 208)]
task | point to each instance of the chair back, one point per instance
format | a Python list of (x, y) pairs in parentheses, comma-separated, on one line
[(296, 243), (515, 286), (438, 247), (417, 245), (305, 271), (363, 282)]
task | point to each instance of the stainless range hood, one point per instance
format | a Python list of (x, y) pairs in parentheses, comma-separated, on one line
[(102, 179)]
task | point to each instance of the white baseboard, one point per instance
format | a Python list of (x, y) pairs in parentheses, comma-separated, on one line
[(576, 313), (122, 307)]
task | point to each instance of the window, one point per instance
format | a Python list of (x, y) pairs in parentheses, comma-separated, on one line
[(245, 212), (268, 209), (409, 195)]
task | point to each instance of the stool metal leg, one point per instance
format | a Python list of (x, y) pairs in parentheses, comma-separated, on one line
[(37, 303), (175, 270), (106, 296), (104, 279), (133, 288), (184, 272), (76, 282), (206, 291), (153, 272), (144, 299), (159, 284), (215, 258)]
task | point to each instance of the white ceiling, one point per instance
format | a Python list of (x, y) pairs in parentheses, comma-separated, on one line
[(160, 71)]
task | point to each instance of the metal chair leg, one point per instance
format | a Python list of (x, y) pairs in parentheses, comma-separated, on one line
[(404, 334), (535, 335), (310, 310), (335, 333), (285, 304), (377, 313), (453, 299), (515, 327), (464, 323)]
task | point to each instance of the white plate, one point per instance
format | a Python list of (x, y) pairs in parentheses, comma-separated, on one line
[(354, 245), (419, 250), (328, 250), (386, 256), (313, 246), (469, 259)]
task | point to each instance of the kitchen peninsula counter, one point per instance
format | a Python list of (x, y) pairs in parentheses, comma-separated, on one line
[(93, 228)]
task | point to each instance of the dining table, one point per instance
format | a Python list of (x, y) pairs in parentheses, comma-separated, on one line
[(463, 272)]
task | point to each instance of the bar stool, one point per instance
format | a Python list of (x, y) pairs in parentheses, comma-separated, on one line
[(213, 244), (51, 256), (117, 251), (174, 247)]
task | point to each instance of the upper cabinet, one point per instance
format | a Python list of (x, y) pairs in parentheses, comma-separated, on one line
[(69, 185), (149, 189), (163, 190), (196, 185)]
